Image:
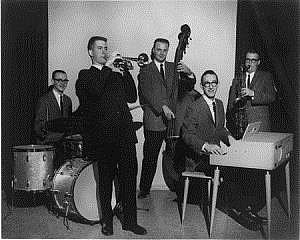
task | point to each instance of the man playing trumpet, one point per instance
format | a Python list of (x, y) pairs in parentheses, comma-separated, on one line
[(109, 136)]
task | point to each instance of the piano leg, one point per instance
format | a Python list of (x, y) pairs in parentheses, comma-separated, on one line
[(268, 201), (287, 182), (214, 197)]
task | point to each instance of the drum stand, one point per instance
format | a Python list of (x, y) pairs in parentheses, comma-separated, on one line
[(13, 194), (10, 208), (67, 203)]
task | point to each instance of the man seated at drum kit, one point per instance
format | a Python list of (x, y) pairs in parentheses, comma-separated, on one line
[(53, 105)]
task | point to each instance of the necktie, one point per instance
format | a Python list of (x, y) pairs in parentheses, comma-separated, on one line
[(215, 111), (61, 105), (248, 81), (162, 71)]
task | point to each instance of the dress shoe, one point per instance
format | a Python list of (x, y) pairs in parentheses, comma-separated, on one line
[(143, 194), (107, 229), (136, 229), (244, 219)]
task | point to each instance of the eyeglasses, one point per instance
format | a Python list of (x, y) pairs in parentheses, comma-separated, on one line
[(61, 80), (207, 84), (252, 60)]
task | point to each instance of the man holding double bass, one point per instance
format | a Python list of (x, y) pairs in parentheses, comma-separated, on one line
[(157, 91)]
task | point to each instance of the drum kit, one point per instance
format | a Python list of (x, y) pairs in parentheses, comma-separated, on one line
[(34, 171), (67, 185)]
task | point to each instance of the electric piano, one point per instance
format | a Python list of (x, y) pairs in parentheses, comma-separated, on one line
[(259, 150)]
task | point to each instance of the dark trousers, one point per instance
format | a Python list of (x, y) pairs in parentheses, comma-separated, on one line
[(243, 188), (120, 159), (198, 187), (151, 148)]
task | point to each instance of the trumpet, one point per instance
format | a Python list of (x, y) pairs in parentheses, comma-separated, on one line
[(126, 62)]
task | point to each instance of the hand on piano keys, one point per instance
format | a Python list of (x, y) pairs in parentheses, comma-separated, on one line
[(225, 148)]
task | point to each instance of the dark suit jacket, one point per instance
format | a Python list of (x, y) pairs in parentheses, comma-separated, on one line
[(156, 92), (198, 126), (264, 94), (48, 109), (103, 97)]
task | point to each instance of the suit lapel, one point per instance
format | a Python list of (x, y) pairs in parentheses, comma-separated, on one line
[(54, 102)]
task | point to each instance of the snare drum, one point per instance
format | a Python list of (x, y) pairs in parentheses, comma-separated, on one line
[(33, 167), (73, 146), (74, 190)]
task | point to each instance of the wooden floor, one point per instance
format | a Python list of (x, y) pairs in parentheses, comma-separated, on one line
[(158, 214)]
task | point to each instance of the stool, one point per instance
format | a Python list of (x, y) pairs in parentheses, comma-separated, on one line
[(188, 174)]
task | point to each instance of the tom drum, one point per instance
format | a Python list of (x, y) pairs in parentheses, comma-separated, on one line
[(73, 146), (33, 167)]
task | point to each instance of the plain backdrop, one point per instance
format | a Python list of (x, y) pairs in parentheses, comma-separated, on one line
[(131, 27)]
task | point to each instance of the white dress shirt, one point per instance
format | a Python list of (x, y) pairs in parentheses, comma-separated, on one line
[(57, 96)]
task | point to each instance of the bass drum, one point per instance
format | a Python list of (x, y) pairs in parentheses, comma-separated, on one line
[(75, 190)]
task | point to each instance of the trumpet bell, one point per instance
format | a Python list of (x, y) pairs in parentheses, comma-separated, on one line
[(125, 62)]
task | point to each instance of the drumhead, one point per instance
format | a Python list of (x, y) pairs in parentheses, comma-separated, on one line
[(64, 179), (85, 193), (33, 148)]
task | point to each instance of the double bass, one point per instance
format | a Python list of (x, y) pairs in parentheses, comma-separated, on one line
[(181, 94)]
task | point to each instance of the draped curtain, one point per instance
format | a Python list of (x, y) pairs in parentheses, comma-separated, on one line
[(272, 27), (24, 74)]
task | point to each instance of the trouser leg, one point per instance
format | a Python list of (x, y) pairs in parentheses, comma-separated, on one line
[(244, 187), (127, 165), (151, 148), (107, 163)]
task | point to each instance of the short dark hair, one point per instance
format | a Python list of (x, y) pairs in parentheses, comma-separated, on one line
[(209, 72), (57, 71), (94, 39), (161, 40), (252, 50)]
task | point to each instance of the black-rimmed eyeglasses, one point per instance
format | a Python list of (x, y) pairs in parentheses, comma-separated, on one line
[(208, 84), (61, 80), (252, 60)]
